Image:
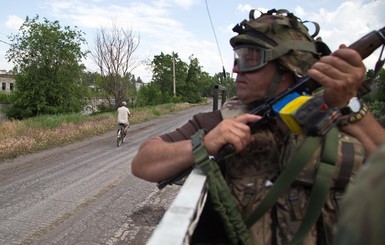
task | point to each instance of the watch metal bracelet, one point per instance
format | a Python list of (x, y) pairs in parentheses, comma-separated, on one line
[(355, 117)]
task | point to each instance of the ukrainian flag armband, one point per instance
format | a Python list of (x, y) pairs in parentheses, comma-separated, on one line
[(198, 148)]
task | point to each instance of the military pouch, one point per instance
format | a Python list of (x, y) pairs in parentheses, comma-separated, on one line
[(306, 115), (315, 117)]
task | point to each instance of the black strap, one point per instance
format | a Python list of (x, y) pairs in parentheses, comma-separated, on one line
[(346, 166)]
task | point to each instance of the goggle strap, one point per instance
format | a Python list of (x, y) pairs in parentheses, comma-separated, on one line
[(272, 90), (281, 49)]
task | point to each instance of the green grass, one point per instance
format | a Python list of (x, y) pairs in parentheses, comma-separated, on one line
[(52, 121)]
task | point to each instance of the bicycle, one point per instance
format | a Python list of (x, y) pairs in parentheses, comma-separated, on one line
[(121, 134)]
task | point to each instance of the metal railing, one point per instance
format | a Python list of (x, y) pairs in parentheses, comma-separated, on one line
[(216, 90), (178, 223)]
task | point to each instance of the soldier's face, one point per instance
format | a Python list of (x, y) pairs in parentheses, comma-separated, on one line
[(253, 86)]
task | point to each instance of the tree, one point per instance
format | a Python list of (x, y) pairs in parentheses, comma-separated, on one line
[(192, 83), (162, 75), (198, 83), (378, 107), (150, 94), (47, 60), (381, 86), (376, 98), (113, 54)]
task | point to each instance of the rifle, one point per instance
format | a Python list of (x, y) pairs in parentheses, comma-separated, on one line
[(365, 46)]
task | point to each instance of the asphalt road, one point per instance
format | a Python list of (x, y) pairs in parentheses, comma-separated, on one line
[(84, 193)]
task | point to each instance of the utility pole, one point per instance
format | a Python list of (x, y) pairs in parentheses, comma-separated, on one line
[(173, 73)]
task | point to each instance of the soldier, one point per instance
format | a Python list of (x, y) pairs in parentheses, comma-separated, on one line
[(271, 53)]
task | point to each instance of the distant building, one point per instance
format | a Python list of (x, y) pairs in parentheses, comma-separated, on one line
[(7, 82)]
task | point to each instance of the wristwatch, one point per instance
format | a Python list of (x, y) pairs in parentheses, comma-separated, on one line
[(355, 111), (354, 106)]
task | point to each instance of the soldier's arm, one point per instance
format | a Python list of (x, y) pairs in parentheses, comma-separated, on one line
[(368, 131), (158, 160), (341, 75)]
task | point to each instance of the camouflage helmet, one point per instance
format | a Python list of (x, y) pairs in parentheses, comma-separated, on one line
[(283, 35)]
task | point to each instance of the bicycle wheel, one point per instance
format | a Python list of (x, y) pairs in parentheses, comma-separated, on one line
[(124, 138), (125, 132), (119, 139)]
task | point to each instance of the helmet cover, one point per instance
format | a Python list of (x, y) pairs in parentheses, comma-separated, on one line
[(284, 34)]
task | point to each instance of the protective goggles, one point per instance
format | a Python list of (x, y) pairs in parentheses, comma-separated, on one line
[(249, 58)]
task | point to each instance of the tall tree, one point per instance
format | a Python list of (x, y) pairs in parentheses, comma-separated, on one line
[(196, 82), (162, 75), (192, 83), (113, 54), (47, 60)]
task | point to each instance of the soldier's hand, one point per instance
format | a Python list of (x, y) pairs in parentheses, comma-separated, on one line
[(230, 131), (341, 74)]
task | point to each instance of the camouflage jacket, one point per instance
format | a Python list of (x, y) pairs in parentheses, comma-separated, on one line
[(251, 172)]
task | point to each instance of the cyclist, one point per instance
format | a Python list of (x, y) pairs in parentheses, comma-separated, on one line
[(123, 115)]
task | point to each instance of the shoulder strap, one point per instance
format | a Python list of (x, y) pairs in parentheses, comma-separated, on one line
[(320, 188), (286, 178)]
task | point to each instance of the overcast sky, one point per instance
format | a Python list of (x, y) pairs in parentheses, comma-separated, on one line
[(184, 27)]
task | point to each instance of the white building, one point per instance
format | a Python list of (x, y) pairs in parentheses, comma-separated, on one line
[(7, 82)]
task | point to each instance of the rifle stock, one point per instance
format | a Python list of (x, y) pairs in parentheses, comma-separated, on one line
[(365, 46)]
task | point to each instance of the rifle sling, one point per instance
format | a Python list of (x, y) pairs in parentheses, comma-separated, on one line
[(220, 194), (320, 188)]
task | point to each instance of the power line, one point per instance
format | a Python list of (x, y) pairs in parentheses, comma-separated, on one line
[(4, 42), (216, 40)]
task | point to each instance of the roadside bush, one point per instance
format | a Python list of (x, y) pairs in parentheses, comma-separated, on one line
[(5, 98), (105, 107)]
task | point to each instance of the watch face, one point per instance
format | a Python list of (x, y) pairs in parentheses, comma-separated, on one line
[(355, 105)]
